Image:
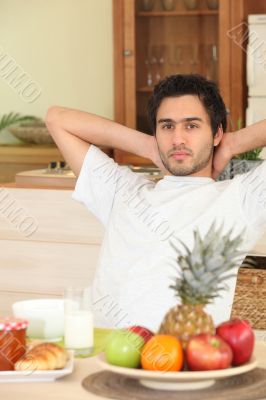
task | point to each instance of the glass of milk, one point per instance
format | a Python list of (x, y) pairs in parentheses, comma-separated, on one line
[(78, 321)]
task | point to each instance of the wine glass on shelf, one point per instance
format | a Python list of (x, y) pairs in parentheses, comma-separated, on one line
[(148, 61), (211, 58), (149, 71), (161, 61), (176, 59), (158, 60), (214, 63), (194, 57)]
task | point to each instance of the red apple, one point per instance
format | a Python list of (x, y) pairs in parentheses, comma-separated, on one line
[(145, 333), (240, 336), (207, 352)]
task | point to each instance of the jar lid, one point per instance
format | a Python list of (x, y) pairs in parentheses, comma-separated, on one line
[(12, 324)]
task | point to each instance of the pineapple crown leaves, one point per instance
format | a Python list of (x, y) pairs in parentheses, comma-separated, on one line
[(14, 119), (203, 269)]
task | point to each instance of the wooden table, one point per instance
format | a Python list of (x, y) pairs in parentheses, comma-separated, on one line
[(69, 388), (65, 388)]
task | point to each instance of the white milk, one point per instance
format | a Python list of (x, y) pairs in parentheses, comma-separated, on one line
[(79, 331)]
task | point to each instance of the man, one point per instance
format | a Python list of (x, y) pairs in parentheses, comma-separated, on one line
[(137, 262)]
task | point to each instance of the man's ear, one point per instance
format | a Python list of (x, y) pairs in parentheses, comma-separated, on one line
[(218, 135)]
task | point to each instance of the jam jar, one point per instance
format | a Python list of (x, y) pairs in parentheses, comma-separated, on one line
[(12, 341)]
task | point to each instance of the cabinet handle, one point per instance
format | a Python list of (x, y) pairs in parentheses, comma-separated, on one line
[(127, 52)]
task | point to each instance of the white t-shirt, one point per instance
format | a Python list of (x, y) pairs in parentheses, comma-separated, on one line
[(137, 262)]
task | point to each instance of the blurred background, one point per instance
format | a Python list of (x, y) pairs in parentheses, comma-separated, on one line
[(105, 57)]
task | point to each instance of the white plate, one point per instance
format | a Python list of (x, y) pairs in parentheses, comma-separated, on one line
[(183, 380), (38, 376)]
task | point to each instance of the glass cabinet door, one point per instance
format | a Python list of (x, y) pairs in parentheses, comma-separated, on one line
[(173, 37)]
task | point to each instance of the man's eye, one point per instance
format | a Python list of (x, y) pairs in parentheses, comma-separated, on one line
[(167, 126), (191, 126)]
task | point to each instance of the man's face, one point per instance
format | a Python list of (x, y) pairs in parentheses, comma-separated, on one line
[(184, 136)]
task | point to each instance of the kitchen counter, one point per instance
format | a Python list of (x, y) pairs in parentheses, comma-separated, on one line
[(69, 388), (14, 159), (26, 157)]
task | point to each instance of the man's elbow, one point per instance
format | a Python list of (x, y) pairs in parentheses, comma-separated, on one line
[(53, 115)]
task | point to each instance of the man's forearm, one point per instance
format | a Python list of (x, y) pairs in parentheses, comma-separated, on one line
[(249, 138), (99, 131)]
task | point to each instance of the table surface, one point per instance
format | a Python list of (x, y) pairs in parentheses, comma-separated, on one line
[(70, 387)]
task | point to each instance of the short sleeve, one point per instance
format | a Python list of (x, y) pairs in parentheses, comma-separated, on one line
[(100, 181), (252, 190)]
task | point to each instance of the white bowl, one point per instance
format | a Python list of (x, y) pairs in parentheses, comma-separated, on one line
[(45, 316)]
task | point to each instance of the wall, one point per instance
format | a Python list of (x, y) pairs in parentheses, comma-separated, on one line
[(64, 49)]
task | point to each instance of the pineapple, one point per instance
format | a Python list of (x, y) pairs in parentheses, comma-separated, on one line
[(199, 282)]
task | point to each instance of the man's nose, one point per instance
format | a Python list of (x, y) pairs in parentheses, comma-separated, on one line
[(178, 137)]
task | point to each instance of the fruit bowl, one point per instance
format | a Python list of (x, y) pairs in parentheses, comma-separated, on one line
[(183, 380)]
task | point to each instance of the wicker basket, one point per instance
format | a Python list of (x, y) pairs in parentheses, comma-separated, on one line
[(32, 134), (250, 297)]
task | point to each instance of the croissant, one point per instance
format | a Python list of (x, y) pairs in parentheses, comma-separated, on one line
[(44, 356)]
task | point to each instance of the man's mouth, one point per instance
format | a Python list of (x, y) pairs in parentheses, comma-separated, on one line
[(180, 155)]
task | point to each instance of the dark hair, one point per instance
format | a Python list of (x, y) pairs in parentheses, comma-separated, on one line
[(192, 84)]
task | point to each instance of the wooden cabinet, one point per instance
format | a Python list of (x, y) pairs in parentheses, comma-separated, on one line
[(149, 45)]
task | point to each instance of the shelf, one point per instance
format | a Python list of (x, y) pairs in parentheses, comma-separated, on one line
[(176, 13)]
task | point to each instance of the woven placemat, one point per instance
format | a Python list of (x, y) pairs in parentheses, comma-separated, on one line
[(248, 386)]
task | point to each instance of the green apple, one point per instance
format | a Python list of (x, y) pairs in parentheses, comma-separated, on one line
[(124, 349)]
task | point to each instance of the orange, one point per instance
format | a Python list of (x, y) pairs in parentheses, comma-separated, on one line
[(162, 353)]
